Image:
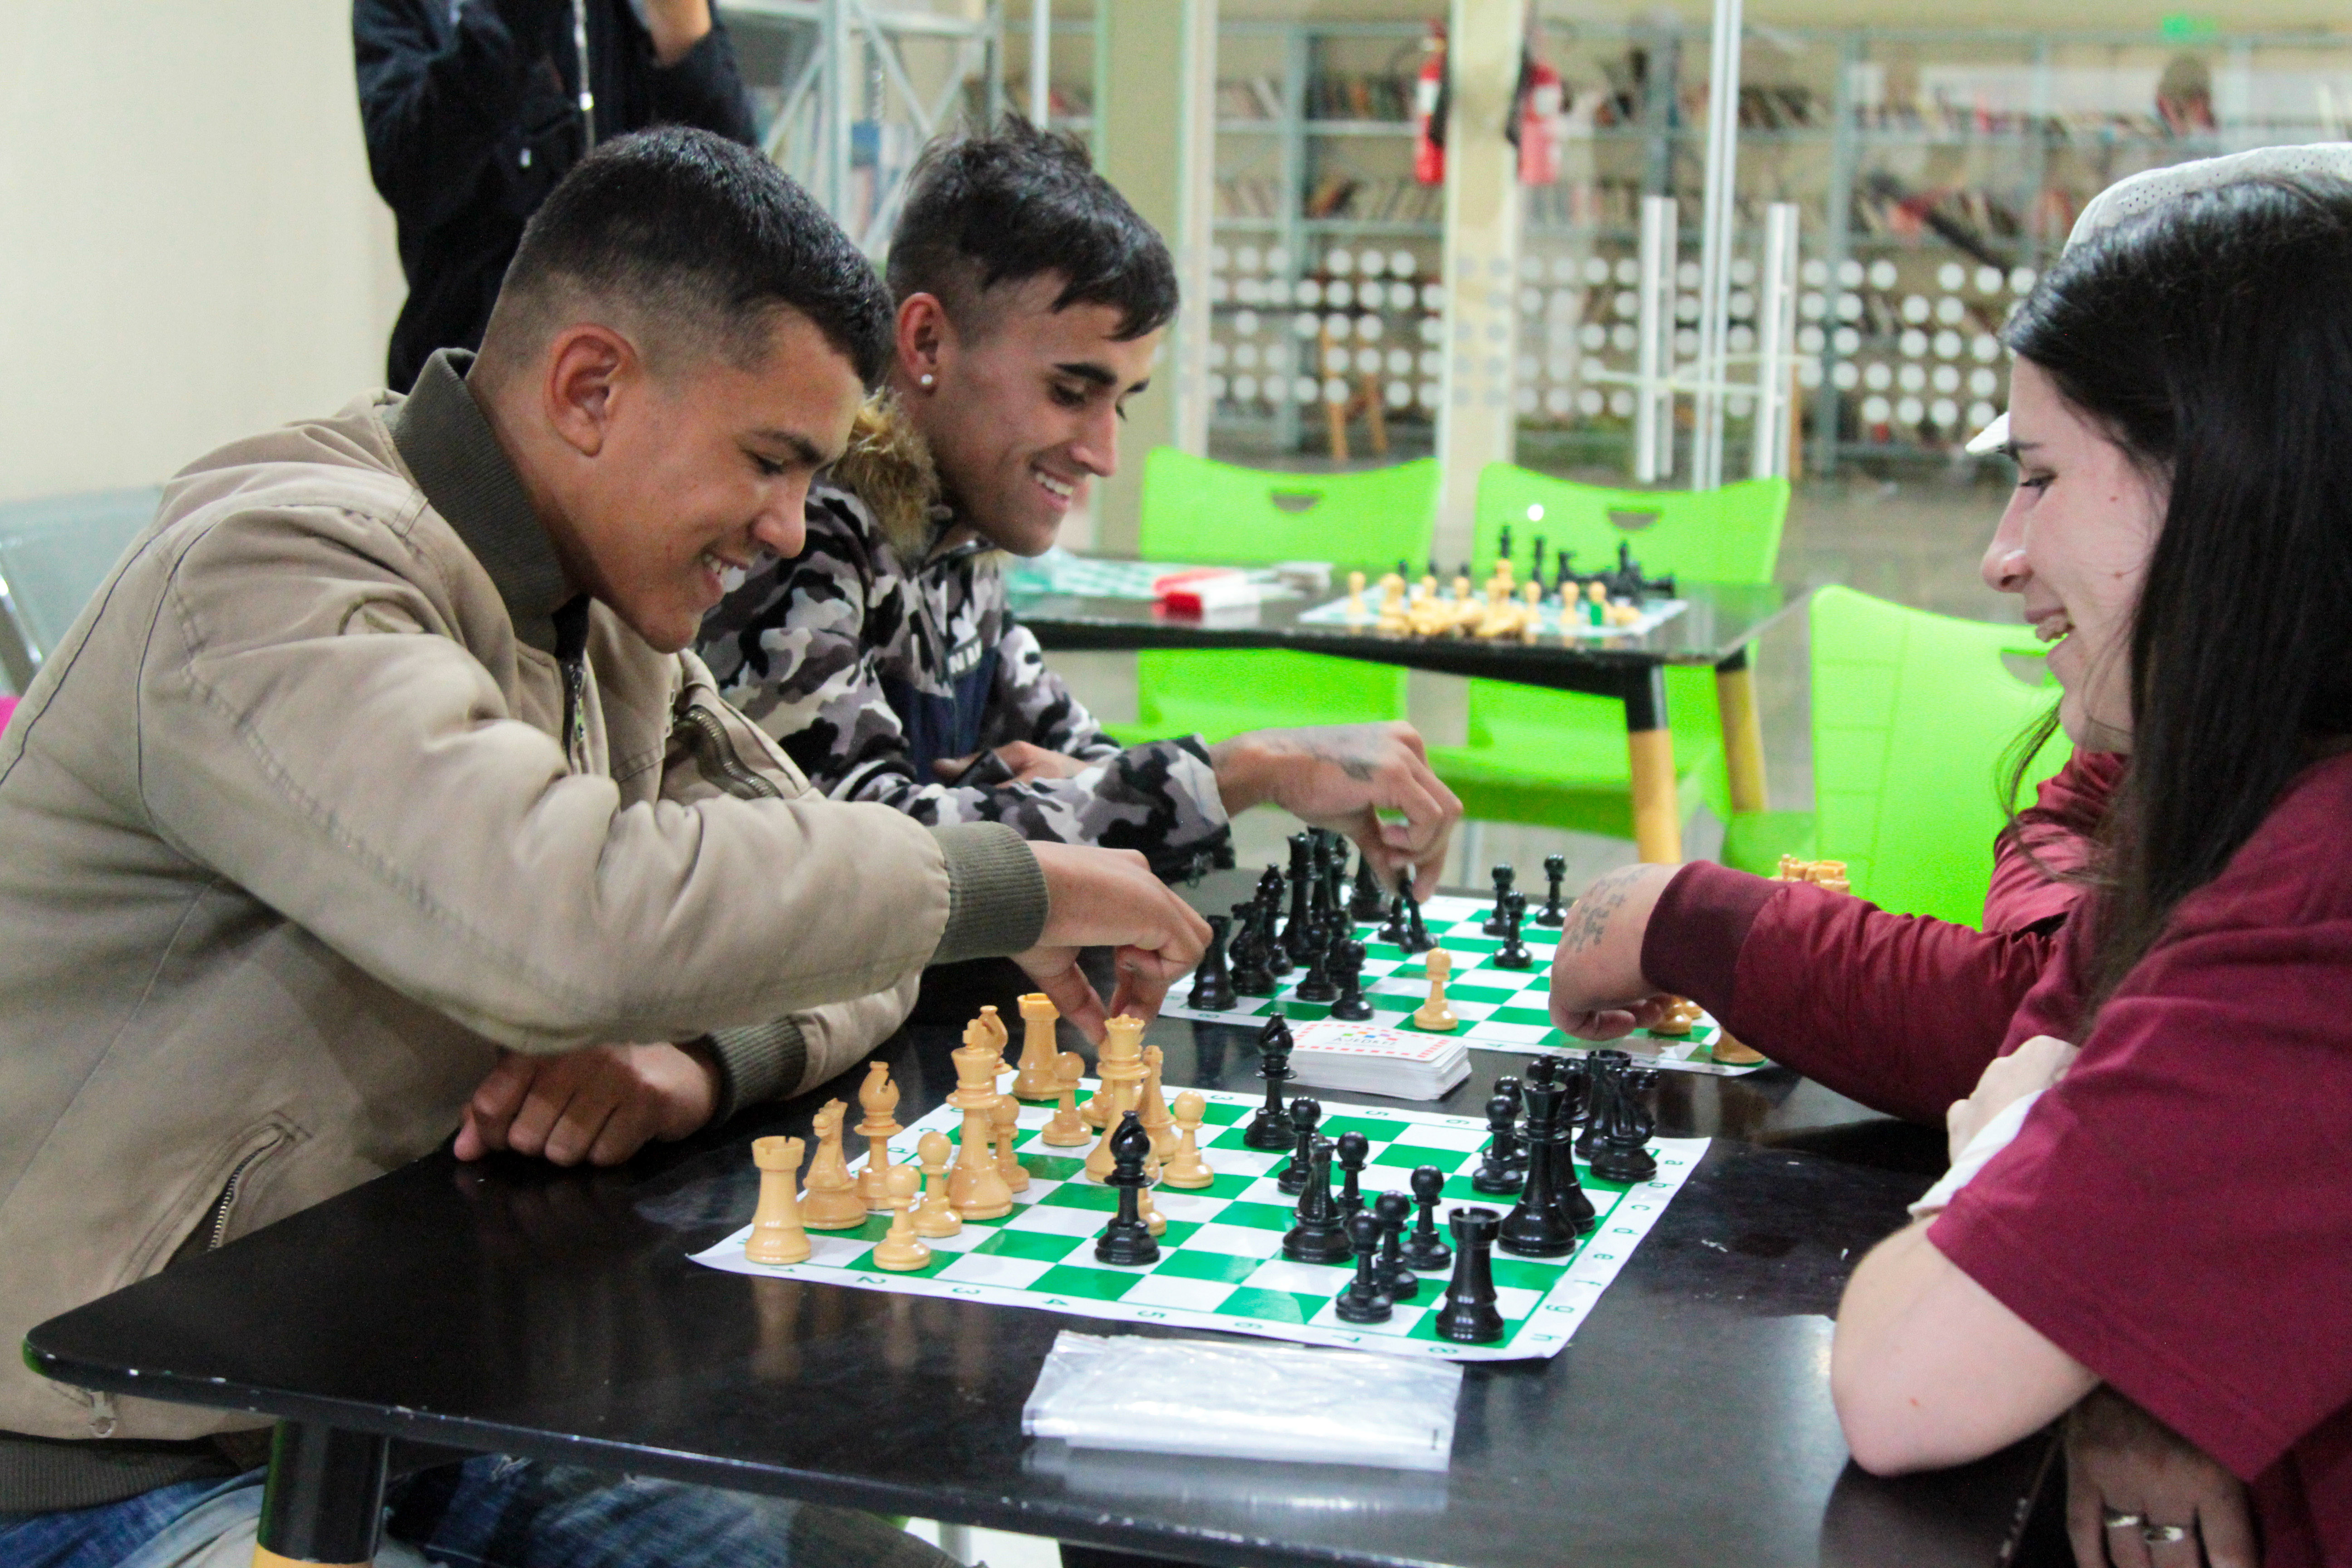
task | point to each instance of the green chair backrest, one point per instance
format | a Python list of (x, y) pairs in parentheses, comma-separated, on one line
[(1727, 535), (1913, 713), (1195, 508), (55, 552)]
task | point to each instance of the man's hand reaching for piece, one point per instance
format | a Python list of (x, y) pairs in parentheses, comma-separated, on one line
[(601, 1104), (1597, 989), (1108, 898), (1344, 776)]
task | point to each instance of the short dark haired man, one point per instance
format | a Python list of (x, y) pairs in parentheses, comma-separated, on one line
[(376, 753), (475, 108), (1031, 299)]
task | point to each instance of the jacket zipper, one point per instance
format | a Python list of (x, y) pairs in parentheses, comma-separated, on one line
[(226, 1202), (720, 753)]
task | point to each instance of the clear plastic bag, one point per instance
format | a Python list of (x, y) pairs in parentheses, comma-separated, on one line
[(1246, 1400)]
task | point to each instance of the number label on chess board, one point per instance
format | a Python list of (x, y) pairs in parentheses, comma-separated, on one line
[(1220, 1264), (1500, 1009)]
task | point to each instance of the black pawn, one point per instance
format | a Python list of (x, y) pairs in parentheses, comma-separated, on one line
[(1270, 1129), (1399, 1283), (1362, 1300), (1393, 930), (1500, 1174), (1469, 1316), (1554, 912), (1250, 976), (1352, 1004), (1355, 1149), (1423, 1249), (1212, 983), (1492, 924), (1365, 902), (1126, 1240), (1621, 1153), (1269, 928), (1335, 871), (1298, 937), (1321, 1234), (1514, 953), (1318, 985), (1304, 1114)]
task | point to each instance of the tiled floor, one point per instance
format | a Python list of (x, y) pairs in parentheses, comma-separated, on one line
[(1916, 539)]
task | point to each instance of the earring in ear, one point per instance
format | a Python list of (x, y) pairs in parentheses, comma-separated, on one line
[(926, 378)]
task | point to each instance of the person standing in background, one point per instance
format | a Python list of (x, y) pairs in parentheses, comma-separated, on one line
[(473, 109)]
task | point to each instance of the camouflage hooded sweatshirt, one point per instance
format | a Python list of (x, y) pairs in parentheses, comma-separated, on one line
[(876, 651)]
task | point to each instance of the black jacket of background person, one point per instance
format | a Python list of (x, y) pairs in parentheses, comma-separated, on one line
[(471, 108)]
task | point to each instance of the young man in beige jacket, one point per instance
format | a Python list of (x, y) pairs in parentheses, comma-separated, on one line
[(377, 758)]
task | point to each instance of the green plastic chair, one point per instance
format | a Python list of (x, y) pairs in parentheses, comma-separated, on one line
[(1559, 758), (1913, 716), (53, 552), (1198, 509)]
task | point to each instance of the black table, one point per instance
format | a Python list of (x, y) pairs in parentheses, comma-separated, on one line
[(512, 1308), (1721, 621)]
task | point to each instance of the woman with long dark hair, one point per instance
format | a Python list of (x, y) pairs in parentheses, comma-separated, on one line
[(2165, 1211)]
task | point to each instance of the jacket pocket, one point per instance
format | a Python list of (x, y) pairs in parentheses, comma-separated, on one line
[(232, 1178)]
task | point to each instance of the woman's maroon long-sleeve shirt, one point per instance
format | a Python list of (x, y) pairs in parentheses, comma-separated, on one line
[(1900, 1012)]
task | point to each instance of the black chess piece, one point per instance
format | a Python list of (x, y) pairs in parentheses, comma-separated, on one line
[(1354, 1150), (1318, 985), (1298, 935), (1513, 954), (1554, 912), (1605, 1068), (1212, 983), (1321, 1236), (1335, 870), (1250, 976), (1365, 902), (1423, 1250), (1552, 1210), (1621, 1153), (1499, 1172), (1535, 562), (1126, 1240), (1399, 1283), (1318, 880), (1416, 934), (1270, 1129), (1362, 1300), (1304, 1114), (1270, 885), (1503, 544), (1492, 924), (1510, 1089), (1393, 930), (1352, 1004), (1469, 1316)]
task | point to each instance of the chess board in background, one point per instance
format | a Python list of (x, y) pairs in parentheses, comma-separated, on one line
[(1220, 1264), (1655, 613), (1087, 577), (1500, 1009)]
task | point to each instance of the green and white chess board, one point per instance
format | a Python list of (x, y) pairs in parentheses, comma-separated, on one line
[(1655, 613), (1220, 1264), (1089, 577), (1500, 1009)]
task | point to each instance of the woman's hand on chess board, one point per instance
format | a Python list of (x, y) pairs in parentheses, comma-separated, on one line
[(601, 1104), (1597, 989)]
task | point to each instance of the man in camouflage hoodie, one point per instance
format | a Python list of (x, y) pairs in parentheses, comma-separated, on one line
[(884, 658)]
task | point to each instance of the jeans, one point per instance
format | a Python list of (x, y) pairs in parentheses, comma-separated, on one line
[(488, 1512)]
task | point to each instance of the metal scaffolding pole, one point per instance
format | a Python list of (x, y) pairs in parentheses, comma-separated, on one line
[(1776, 330), (1715, 237)]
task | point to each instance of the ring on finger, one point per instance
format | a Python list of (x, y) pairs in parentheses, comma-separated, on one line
[(2116, 1519), (2164, 1534)]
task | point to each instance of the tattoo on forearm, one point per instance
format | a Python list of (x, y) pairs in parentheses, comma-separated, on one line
[(1588, 920)]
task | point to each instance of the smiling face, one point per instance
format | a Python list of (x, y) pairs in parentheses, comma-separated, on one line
[(685, 472), (2075, 545), (1024, 408)]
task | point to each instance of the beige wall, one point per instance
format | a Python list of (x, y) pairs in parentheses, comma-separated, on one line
[(189, 247)]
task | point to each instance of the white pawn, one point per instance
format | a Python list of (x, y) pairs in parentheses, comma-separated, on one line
[(901, 1250), (936, 1217), (1187, 1169), (1005, 1123)]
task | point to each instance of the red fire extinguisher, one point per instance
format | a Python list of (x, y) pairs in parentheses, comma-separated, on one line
[(1536, 121), (1431, 104)]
